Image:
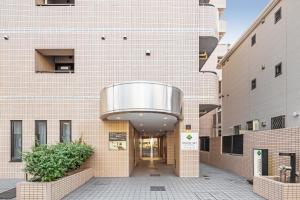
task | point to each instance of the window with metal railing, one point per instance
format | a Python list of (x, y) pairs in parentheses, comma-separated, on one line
[(277, 16), (278, 122)]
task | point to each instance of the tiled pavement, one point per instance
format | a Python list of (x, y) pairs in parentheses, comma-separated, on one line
[(213, 184), (7, 184)]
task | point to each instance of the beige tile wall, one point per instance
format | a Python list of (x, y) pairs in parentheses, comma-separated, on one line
[(271, 189), (281, 140), (53, 190), (170, 29), (170, 148)]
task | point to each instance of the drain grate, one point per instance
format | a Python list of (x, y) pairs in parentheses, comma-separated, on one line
[(9, 194), (154, 174), (101, 182), (157, 188)]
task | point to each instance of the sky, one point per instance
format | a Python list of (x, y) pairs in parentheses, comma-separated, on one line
[(240, 14)]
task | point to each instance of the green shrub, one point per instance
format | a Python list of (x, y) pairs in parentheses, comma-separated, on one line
[(49, 163)]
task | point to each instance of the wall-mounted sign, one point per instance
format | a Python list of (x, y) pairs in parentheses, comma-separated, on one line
[(260, 162), (117, 136), (189, 141), (117, 141)]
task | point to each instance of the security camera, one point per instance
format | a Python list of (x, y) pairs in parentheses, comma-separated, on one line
[(5, 37)]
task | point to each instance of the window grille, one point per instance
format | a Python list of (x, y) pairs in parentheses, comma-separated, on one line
[(278, 122)]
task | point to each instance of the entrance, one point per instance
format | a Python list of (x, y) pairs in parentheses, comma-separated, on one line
[(153, 157), (150, 148)]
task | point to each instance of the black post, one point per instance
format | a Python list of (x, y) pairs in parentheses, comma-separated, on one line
[(293, 166)]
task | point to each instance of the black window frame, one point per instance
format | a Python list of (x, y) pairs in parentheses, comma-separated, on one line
[(219, 114), (278, 66), (204, 144), (253, 84), (37, 142), (61, 130), (250, 125), (253, 40), (236, 129), (214, 120), (278, 16), (12, 146), (233, 144)]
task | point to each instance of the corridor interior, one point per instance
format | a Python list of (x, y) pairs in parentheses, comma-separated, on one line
[(152, 157)]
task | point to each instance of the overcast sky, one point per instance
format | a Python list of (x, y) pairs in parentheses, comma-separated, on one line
[(239, 15)]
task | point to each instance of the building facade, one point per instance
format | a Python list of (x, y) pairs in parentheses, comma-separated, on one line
[(260, 94), (110, 72), (260, 72)]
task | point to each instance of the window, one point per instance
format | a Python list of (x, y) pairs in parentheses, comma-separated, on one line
[(278, 122), (201, 2), (219, 117), (214, 121), (16, 140), (40, 132), (253, 84), (237, 144), (277, 16), (236, 129), (204, 143), (54, 60), (65, 131), (233, 144), (55, 2), (278, 69), (226, 144), (250, 125), (220, 87), (253, 40)]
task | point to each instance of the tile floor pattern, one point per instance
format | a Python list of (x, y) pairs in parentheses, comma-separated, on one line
[(214, 184), (7, 184)]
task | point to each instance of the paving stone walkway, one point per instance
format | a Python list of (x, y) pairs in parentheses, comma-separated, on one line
[(213, 184), (7, 184)]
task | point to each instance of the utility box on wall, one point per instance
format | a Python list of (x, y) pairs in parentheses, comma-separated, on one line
[(260, 162)]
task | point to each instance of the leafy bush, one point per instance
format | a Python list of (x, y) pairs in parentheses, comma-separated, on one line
[(49, 163)]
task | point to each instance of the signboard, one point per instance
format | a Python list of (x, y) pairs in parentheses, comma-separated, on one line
[(189, 141), (117, 141), (260, 162)]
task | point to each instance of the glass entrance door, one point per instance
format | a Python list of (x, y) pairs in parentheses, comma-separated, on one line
[(150, 147)]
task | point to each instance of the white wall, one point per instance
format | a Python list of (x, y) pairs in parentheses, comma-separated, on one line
[(273, 96)]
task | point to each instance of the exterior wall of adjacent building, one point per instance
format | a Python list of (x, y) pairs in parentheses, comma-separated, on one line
[(276, 141), (273, 96), (170, 30)]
